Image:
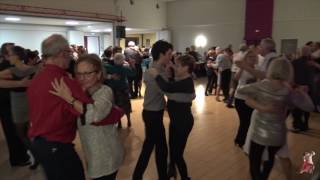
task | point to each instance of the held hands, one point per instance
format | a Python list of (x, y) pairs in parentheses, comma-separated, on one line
[(61, 90)]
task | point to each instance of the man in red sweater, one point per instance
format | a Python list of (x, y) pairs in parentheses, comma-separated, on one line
[(53, 120)]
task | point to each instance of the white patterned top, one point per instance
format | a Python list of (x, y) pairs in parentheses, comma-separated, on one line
[(101, 144)]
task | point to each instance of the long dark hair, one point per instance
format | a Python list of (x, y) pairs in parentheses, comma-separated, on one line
[(20, 52)]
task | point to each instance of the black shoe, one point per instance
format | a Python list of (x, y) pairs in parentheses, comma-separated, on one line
[(295, 130), (20, 164), (206, 94), (34, 165), (230, 106), (172, 172)]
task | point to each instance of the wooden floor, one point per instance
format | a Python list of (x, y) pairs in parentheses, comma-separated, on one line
[(210, 153)]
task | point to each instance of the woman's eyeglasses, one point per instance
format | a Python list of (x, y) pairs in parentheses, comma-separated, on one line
[(85, 74)]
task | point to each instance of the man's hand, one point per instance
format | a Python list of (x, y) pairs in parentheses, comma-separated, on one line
[(115, 77)]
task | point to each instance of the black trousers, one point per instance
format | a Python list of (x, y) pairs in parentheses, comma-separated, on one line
[(212, 79), (244, 113), (255, 157), (135, 81), (300, 119), (181, 123), (154, 137), (108, 177), (17, 150), (225, 82), (60, 161)]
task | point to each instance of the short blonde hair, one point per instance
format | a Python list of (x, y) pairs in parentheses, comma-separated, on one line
[(280, 69)]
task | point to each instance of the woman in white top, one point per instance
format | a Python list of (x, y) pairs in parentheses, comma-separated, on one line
[(243, 110), (101, 144)]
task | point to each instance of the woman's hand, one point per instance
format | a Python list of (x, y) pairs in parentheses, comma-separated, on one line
[(263, 107), (61, 90)]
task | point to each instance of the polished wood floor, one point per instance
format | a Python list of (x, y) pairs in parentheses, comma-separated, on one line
[(210, 153)]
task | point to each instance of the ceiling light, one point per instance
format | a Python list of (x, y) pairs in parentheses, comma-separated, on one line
[(107, 30), (96, 30), (89, 26), (93, 33), (72, 22), (201, 41), (128, 29), (14, 19)]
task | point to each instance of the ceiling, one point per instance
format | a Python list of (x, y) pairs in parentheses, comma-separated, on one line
[(86, 26)]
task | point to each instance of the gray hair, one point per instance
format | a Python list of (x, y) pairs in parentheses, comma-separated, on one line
[(269, 44), (118, 57), (280, 69), (53, 45)]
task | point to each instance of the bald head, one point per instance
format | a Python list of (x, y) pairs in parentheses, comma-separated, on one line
[(53, 45), (55, 50)]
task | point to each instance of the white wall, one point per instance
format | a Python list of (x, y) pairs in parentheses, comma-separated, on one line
[(296, 19), (28, 36), (221, 21), (143, 14), (76, 37), (163, 35)]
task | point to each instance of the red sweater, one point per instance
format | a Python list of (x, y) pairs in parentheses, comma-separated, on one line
[(50, 116)]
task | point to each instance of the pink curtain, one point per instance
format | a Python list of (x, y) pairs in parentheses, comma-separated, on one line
[(258, 22)]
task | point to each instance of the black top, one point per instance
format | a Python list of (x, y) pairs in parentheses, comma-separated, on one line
[(4, 92), (302, 71)]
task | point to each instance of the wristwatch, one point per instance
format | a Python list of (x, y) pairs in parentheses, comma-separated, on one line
[(73, 101)]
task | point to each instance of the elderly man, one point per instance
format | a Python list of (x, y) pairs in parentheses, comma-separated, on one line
[(267, 51), (134, 56), (53, 120)]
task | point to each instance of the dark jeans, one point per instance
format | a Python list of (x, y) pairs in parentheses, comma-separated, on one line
[(212, 79), (225, 82), (108, 177), (300, 119), (181, 123), (17, 150), (60, 161), (154, 137), (255, 157), (244, 113)]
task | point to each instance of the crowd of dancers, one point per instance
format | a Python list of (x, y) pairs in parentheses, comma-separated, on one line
[(47, 100)]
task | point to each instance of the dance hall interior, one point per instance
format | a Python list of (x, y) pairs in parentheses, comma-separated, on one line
[(160, 90)]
